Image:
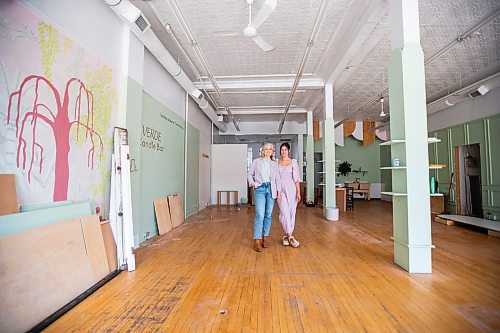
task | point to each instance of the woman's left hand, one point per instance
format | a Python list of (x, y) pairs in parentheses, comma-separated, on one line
[(297, 197), (279, 197)]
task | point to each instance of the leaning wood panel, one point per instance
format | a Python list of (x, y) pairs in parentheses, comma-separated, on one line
[(109, 245), (316, 130), (8, 195), (349, 127), (368, 136), (42, 269), (94, 247), (162, 215), (176, 211)]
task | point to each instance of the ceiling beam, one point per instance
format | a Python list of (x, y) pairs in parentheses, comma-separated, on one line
[(261, 84), (250, 111)]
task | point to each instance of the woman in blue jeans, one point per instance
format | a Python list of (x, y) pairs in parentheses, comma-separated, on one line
[(264, 177)]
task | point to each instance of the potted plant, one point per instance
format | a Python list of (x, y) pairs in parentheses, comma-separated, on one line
[(345, 168)]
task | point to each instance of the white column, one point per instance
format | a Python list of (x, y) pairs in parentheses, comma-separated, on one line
[(300, 155), (310, 158), (330, 210), (411, 201)]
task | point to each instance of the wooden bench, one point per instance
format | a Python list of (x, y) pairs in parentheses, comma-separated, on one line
[(228, 197)]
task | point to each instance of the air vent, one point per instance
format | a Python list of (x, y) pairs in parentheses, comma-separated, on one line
[(141, 23), (481, 90), (285, 140)]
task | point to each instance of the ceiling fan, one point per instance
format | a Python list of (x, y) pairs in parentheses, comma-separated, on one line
[(251, 30)]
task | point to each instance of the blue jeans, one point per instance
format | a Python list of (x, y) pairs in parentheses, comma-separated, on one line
[(264, 204)]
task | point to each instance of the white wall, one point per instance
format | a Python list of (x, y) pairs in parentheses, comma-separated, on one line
[(162, 86), (229, 170), (198, 119), (466, 111), (102, 34)]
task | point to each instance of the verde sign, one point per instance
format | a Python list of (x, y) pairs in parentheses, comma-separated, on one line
[(151, 139)]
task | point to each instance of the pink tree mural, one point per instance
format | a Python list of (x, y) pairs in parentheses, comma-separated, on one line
[(76, 108)]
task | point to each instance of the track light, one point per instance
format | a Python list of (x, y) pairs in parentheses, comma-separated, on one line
[(382, 113)]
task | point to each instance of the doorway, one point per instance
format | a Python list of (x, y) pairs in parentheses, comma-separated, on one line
[(469, 195)]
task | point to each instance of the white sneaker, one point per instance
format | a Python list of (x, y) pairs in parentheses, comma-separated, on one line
[(285, 241), (293, 242)]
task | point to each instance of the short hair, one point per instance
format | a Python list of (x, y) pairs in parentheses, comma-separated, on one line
[(267, 144)]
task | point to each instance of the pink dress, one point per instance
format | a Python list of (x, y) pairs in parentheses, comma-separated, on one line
[(288, 206)]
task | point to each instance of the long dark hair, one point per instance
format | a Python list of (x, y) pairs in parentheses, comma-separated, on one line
[(285, 144)]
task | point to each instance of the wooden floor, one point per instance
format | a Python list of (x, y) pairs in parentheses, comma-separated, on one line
[(205, 277)]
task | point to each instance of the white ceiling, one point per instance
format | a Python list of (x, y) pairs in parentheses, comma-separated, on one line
[(352, 49)]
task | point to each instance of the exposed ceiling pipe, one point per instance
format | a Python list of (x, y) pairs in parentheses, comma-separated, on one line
[(168, 29), (435, 56), (310, 43), (142, 29), (199, 53), (461, 91)]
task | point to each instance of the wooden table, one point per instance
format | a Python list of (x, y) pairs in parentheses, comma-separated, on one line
[(228, 197)]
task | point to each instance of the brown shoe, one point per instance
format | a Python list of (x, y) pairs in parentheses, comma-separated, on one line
[(265, 242), (256, 246)]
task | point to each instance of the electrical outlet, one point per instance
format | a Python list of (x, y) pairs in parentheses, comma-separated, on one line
[(146, 235)]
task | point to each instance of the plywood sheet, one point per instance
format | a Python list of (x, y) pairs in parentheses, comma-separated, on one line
[(162, 215), (42, 270), (109, 245), (368, 136), (94, 247), (176, 211), (316, 130), (8, 195), (349, 127)]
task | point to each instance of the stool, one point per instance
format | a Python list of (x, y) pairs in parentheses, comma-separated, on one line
[(228, 197)]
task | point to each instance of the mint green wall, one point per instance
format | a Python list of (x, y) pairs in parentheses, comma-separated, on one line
[(318, 146), (353, 151), (366, 157), (486, 132), (157, 162), (193, 170), (385, 160), (162, 160)]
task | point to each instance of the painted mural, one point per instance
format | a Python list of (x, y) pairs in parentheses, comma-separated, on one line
[(58, 104)]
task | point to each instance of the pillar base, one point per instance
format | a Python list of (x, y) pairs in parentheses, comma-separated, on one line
[(331, 213), (413, 258)]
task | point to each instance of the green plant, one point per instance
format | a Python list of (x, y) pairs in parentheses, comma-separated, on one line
[(344, 168)]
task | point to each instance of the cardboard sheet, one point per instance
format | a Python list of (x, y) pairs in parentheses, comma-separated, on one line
[(176, 211), (163, 215)]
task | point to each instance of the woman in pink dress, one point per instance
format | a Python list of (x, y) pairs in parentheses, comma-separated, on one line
[(290, 194)]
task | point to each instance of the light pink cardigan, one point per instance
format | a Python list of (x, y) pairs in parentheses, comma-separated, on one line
[(255, 176)]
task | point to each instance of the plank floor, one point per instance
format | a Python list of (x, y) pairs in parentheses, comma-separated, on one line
[(205, 277)]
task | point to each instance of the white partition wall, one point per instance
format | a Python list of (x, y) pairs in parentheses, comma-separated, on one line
[(229, 170)]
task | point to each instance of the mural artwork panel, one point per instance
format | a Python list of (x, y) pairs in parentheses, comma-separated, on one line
[(58, 104)]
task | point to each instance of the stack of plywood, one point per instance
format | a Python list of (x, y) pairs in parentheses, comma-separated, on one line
[(46, 267), (169, 213)]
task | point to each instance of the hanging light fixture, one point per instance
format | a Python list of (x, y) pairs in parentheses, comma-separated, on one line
[(382, 113)]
